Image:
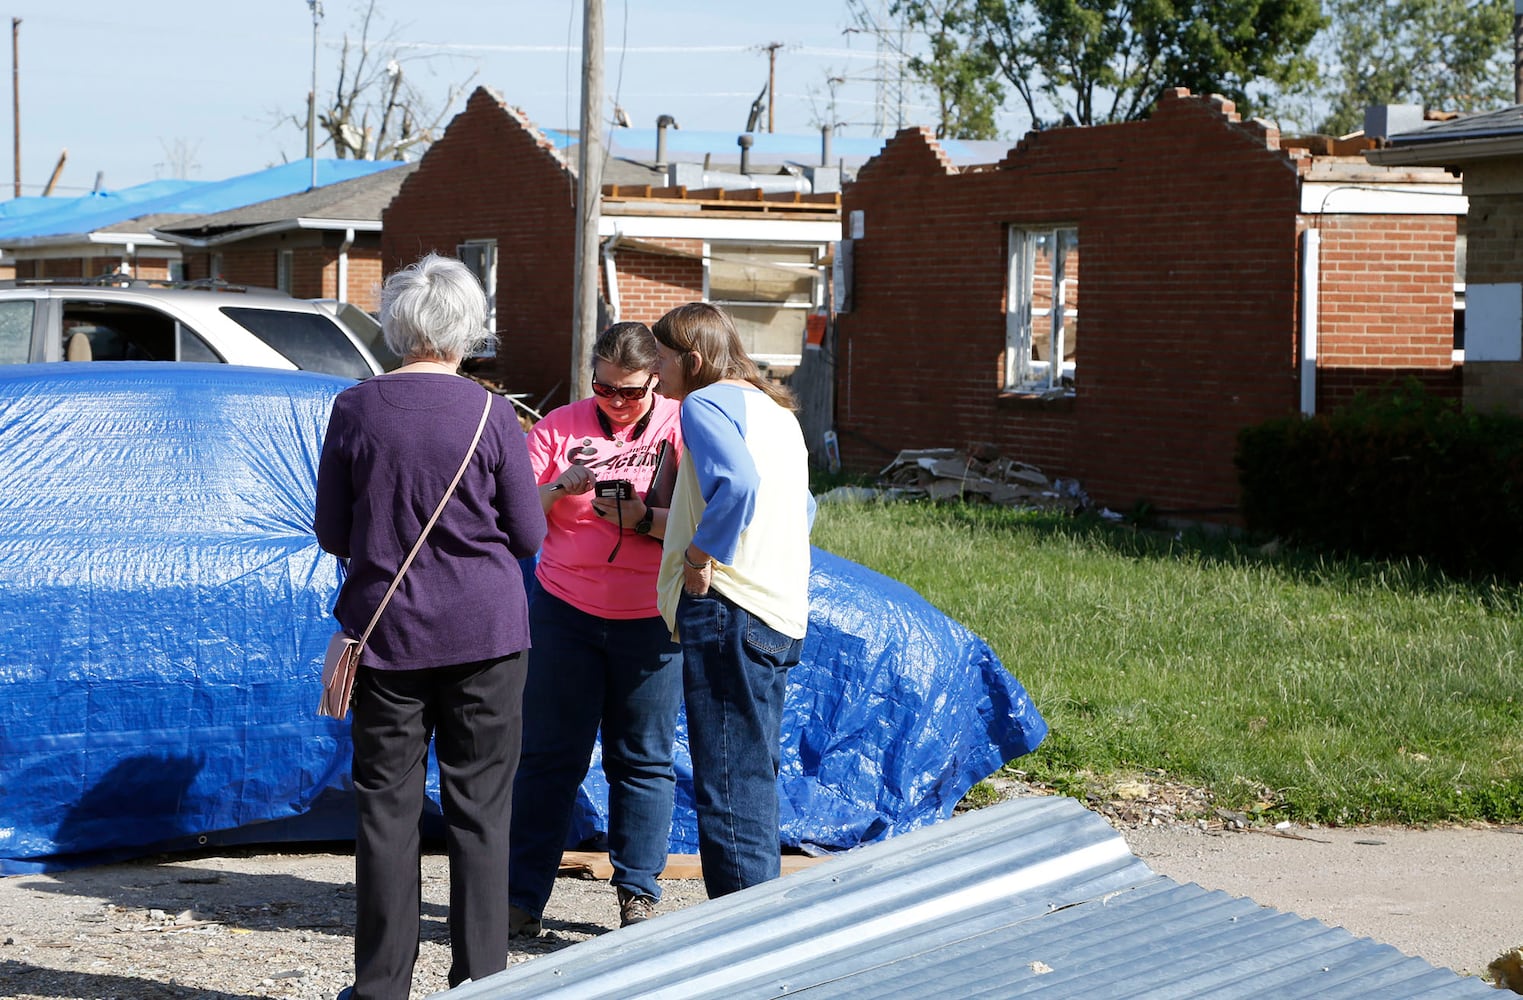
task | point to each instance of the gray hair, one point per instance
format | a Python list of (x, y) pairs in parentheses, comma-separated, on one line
[(434, 308)]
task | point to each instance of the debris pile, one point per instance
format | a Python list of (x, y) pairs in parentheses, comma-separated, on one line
[(978, 473)]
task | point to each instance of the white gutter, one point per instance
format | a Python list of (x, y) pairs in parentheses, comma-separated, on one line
[(1311, 252), (1323, 197), (611, 277), (760, 230), (343, 265), (84, 239)]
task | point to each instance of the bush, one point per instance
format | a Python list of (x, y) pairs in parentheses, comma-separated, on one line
[(1396, 474)]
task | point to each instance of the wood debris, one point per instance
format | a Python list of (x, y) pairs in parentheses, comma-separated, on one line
[(978, 473)]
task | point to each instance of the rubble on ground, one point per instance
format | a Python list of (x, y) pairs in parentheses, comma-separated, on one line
[(978, 473)]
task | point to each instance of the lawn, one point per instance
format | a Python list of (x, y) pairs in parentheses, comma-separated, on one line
[(1288, 686)]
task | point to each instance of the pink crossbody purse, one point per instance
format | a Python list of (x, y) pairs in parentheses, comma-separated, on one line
[(343, 657)]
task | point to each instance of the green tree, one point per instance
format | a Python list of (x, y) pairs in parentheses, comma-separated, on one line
[(1086, 62), (963, 80), (1453, 55)]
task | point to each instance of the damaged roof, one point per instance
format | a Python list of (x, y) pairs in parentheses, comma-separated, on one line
[(1471, 137), (357, 202), (1036, 897)]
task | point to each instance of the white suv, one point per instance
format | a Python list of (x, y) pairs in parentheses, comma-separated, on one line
[(120, 319)]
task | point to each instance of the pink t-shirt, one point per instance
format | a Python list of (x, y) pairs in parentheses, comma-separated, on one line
[(573, 564)]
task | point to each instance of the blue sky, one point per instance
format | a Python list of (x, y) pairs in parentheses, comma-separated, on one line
[(159, 88)]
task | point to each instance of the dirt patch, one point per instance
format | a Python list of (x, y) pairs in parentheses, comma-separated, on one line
[(277, 923)]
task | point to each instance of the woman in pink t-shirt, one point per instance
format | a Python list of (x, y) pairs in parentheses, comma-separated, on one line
[(603, 656)]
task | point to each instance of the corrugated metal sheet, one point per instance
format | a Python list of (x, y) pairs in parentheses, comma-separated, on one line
[(1036, 897)]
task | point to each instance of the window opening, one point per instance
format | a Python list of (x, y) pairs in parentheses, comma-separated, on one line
[(481, 257), (1042, 309), (769, 291)]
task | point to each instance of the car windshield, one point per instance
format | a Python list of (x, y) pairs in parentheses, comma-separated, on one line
[(312, 341)]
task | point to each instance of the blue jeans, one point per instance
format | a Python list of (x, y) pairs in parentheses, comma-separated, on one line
[(586, 670), (735, 670)]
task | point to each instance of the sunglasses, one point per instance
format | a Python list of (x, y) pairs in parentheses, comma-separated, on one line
[(625, 392)]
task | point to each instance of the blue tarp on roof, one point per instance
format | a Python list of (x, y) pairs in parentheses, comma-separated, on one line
[(91, 212), (30, 213), (639, 145), (164, 608)]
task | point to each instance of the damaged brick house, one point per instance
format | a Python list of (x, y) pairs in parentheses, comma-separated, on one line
[(1227, 278), (500, 194), (321, 243), (1486, 150)]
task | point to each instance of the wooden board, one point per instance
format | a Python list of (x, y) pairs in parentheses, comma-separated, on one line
[(595, 865)]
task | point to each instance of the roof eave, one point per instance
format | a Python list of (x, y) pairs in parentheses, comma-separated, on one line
[(1453, 153), (238, 233), (144, 239)]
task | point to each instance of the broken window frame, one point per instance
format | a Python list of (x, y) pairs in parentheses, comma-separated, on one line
[(481, 257), (756, 254), (1024, 321)]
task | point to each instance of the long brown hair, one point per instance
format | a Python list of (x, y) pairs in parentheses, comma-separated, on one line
[(708, 330)]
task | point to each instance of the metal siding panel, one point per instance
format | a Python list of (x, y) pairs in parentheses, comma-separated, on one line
[(964, 909)]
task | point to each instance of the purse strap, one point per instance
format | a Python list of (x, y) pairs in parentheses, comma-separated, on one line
[(459, 474)]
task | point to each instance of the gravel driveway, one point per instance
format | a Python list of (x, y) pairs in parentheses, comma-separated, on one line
[(242, 923)]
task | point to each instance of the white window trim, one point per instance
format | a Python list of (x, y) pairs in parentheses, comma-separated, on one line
[(1023, 373)]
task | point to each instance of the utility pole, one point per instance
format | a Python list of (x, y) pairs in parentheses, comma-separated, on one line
[(589, 199), (1517, 51), (16, 93), (772, 48), (317, 15)]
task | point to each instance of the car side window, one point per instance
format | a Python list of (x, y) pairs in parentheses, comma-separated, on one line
[(193, 348), (312, 341), (16, 332), (124, 332), (121, 332)]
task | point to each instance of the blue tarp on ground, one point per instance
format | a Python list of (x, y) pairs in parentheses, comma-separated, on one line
[(164, 609)]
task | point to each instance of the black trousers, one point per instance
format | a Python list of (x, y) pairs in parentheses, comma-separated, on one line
[(474, 714)]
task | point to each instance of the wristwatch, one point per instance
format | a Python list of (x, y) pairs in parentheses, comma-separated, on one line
[(642, 526)]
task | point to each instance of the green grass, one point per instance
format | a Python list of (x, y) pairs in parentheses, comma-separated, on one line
[(1289, 686)]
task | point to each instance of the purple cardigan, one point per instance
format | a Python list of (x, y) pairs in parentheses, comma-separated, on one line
[(393, 444)]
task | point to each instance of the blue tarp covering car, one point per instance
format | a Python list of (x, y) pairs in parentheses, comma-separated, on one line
[(164, 608)]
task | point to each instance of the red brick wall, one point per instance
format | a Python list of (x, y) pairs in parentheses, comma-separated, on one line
[(1338, 386), (1187, 226), (314, 266), (365, 275), (198, 265), (651, 284), (248, 265), (1386, 291), (488, 177), (152, 268)]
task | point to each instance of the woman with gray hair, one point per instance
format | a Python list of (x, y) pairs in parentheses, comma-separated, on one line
[(446, 660)]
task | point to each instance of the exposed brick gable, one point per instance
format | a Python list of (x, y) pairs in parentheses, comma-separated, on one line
[(1188, 226), (911, 152), (492, 175)]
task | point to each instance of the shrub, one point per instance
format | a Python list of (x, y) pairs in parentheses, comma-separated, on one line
[(1396, 474)]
